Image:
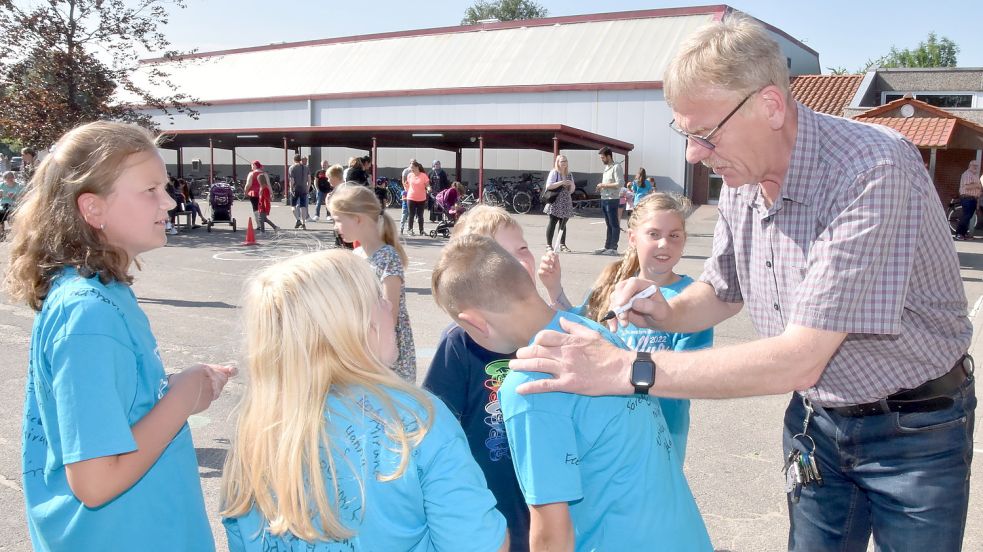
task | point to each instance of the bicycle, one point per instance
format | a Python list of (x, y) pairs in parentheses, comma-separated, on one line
[(955, 213), (394, 192)]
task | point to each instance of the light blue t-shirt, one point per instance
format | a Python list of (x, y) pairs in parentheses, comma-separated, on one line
[(94, 372), (642, 189), (676, 411), (611, 458), (441, 502)]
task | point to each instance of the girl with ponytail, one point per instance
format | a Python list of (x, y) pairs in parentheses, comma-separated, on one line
[(358, 216), (656, 238)]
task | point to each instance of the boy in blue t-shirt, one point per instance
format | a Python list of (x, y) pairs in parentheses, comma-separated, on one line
[(597, 472)]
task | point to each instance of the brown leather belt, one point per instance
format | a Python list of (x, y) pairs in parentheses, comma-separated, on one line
[(928, 397)]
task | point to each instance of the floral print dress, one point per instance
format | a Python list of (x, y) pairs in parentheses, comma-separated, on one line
[(386, 262)]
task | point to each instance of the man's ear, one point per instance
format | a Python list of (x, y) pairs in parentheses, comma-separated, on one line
[(472, 320), (92, 209), (775, 105)]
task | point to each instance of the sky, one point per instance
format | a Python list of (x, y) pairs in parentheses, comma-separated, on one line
[(845, 33)]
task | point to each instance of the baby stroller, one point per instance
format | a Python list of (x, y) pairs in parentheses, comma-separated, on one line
[(220, 197), (450, 211)]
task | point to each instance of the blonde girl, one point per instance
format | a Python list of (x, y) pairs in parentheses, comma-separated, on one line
[(656, 238), (331, 446), (108, 458), (358, 216)]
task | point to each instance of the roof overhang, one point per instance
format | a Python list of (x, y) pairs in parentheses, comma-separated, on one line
[(447, 137)]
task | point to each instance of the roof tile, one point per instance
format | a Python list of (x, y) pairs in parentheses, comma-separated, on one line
[(924, 132), (825, 93)]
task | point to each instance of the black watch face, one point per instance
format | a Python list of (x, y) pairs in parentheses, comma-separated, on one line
[(642, 373)]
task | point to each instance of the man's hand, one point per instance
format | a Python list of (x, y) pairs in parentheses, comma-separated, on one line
[(644, 313), (580, 361)]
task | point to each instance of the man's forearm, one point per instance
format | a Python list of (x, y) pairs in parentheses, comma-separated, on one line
[(792, 361), (696, 309)]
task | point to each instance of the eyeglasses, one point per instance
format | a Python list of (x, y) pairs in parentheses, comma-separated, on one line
[(705, 140)]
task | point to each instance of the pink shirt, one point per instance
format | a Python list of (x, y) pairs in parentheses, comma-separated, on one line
[(416, 186)]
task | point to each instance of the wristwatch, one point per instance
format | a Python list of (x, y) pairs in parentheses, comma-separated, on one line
[(642, 372)]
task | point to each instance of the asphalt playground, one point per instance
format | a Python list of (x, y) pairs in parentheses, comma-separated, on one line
[(191, 291)]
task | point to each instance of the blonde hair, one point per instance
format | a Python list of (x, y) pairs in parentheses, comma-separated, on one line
[(50, 232), (600, 296), (484, 220), (355, 199), (323, 303), (556, 164), (736, 54), (474, 271), (336, 171)]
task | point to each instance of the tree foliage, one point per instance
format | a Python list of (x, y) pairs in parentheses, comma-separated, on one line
[(67, 61), (503, 10), (933, 52)]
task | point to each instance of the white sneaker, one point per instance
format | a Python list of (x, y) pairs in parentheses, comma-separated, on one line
[(612, 252), (601, 251), (172, 231), (311, 219)]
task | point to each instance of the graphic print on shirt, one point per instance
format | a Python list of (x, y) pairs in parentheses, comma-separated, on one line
[(498, 445)]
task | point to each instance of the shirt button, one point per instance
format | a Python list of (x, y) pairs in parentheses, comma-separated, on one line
[(768, 264), (776, 306)]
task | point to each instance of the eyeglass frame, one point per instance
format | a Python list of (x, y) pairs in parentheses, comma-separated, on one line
[(705, 140)]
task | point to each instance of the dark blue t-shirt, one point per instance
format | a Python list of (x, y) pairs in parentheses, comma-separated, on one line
[(466, 377)]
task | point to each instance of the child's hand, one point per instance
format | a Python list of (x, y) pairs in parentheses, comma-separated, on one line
[(200, 385), (549, 275)]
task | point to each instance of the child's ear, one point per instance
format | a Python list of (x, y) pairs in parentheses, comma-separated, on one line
[(91, 208), (472, 320)]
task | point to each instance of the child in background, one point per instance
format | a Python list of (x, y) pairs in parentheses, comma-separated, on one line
[(467, 377), (10, 192), (656, 238), (642, 186), (405, 215), (332, 451), (108, 459), (265, 203), (358, 216), (598, 472)]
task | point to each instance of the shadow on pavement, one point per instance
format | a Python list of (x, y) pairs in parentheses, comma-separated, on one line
[(183, 303)]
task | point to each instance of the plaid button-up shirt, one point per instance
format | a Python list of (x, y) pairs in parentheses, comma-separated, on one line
[(858, 243)]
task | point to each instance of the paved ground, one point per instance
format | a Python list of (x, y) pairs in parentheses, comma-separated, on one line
[(190, 290)]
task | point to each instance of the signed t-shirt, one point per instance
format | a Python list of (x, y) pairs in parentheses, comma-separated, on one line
[(611, 458)]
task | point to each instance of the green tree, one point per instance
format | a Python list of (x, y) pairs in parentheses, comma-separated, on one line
[(503, 10), (933, 52), (68, 61)]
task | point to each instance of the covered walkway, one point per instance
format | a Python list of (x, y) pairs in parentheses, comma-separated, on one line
[(549, 138)]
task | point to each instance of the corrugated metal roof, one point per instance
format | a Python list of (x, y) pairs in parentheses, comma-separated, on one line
[(633, 50)]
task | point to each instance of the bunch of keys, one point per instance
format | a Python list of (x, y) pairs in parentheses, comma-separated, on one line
[(801, 467)]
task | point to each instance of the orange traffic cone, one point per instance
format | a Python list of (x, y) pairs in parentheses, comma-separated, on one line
[(250, 234)]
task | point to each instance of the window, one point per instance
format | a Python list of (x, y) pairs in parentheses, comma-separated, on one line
[(943, 100)]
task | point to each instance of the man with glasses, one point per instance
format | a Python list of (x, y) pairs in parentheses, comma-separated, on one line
[(831, 233)]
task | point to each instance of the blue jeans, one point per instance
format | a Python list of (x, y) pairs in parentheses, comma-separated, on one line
[(903, 476), (320, 201), (609, 207), (969, 208)]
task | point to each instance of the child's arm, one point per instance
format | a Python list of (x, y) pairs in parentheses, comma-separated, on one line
[(98, 480), (550, 528), (392, 286), (549, 275)]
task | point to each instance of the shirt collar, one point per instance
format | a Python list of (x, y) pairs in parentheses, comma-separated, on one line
[(803, 167)]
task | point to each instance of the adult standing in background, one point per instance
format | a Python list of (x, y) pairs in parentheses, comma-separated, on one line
[(28, 164), (438, 183), (299, 175), (253, 189), (969, 198), (407, 171), (559, 201), (612, 181), (356, 172), (844, 259), (417, 182)]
